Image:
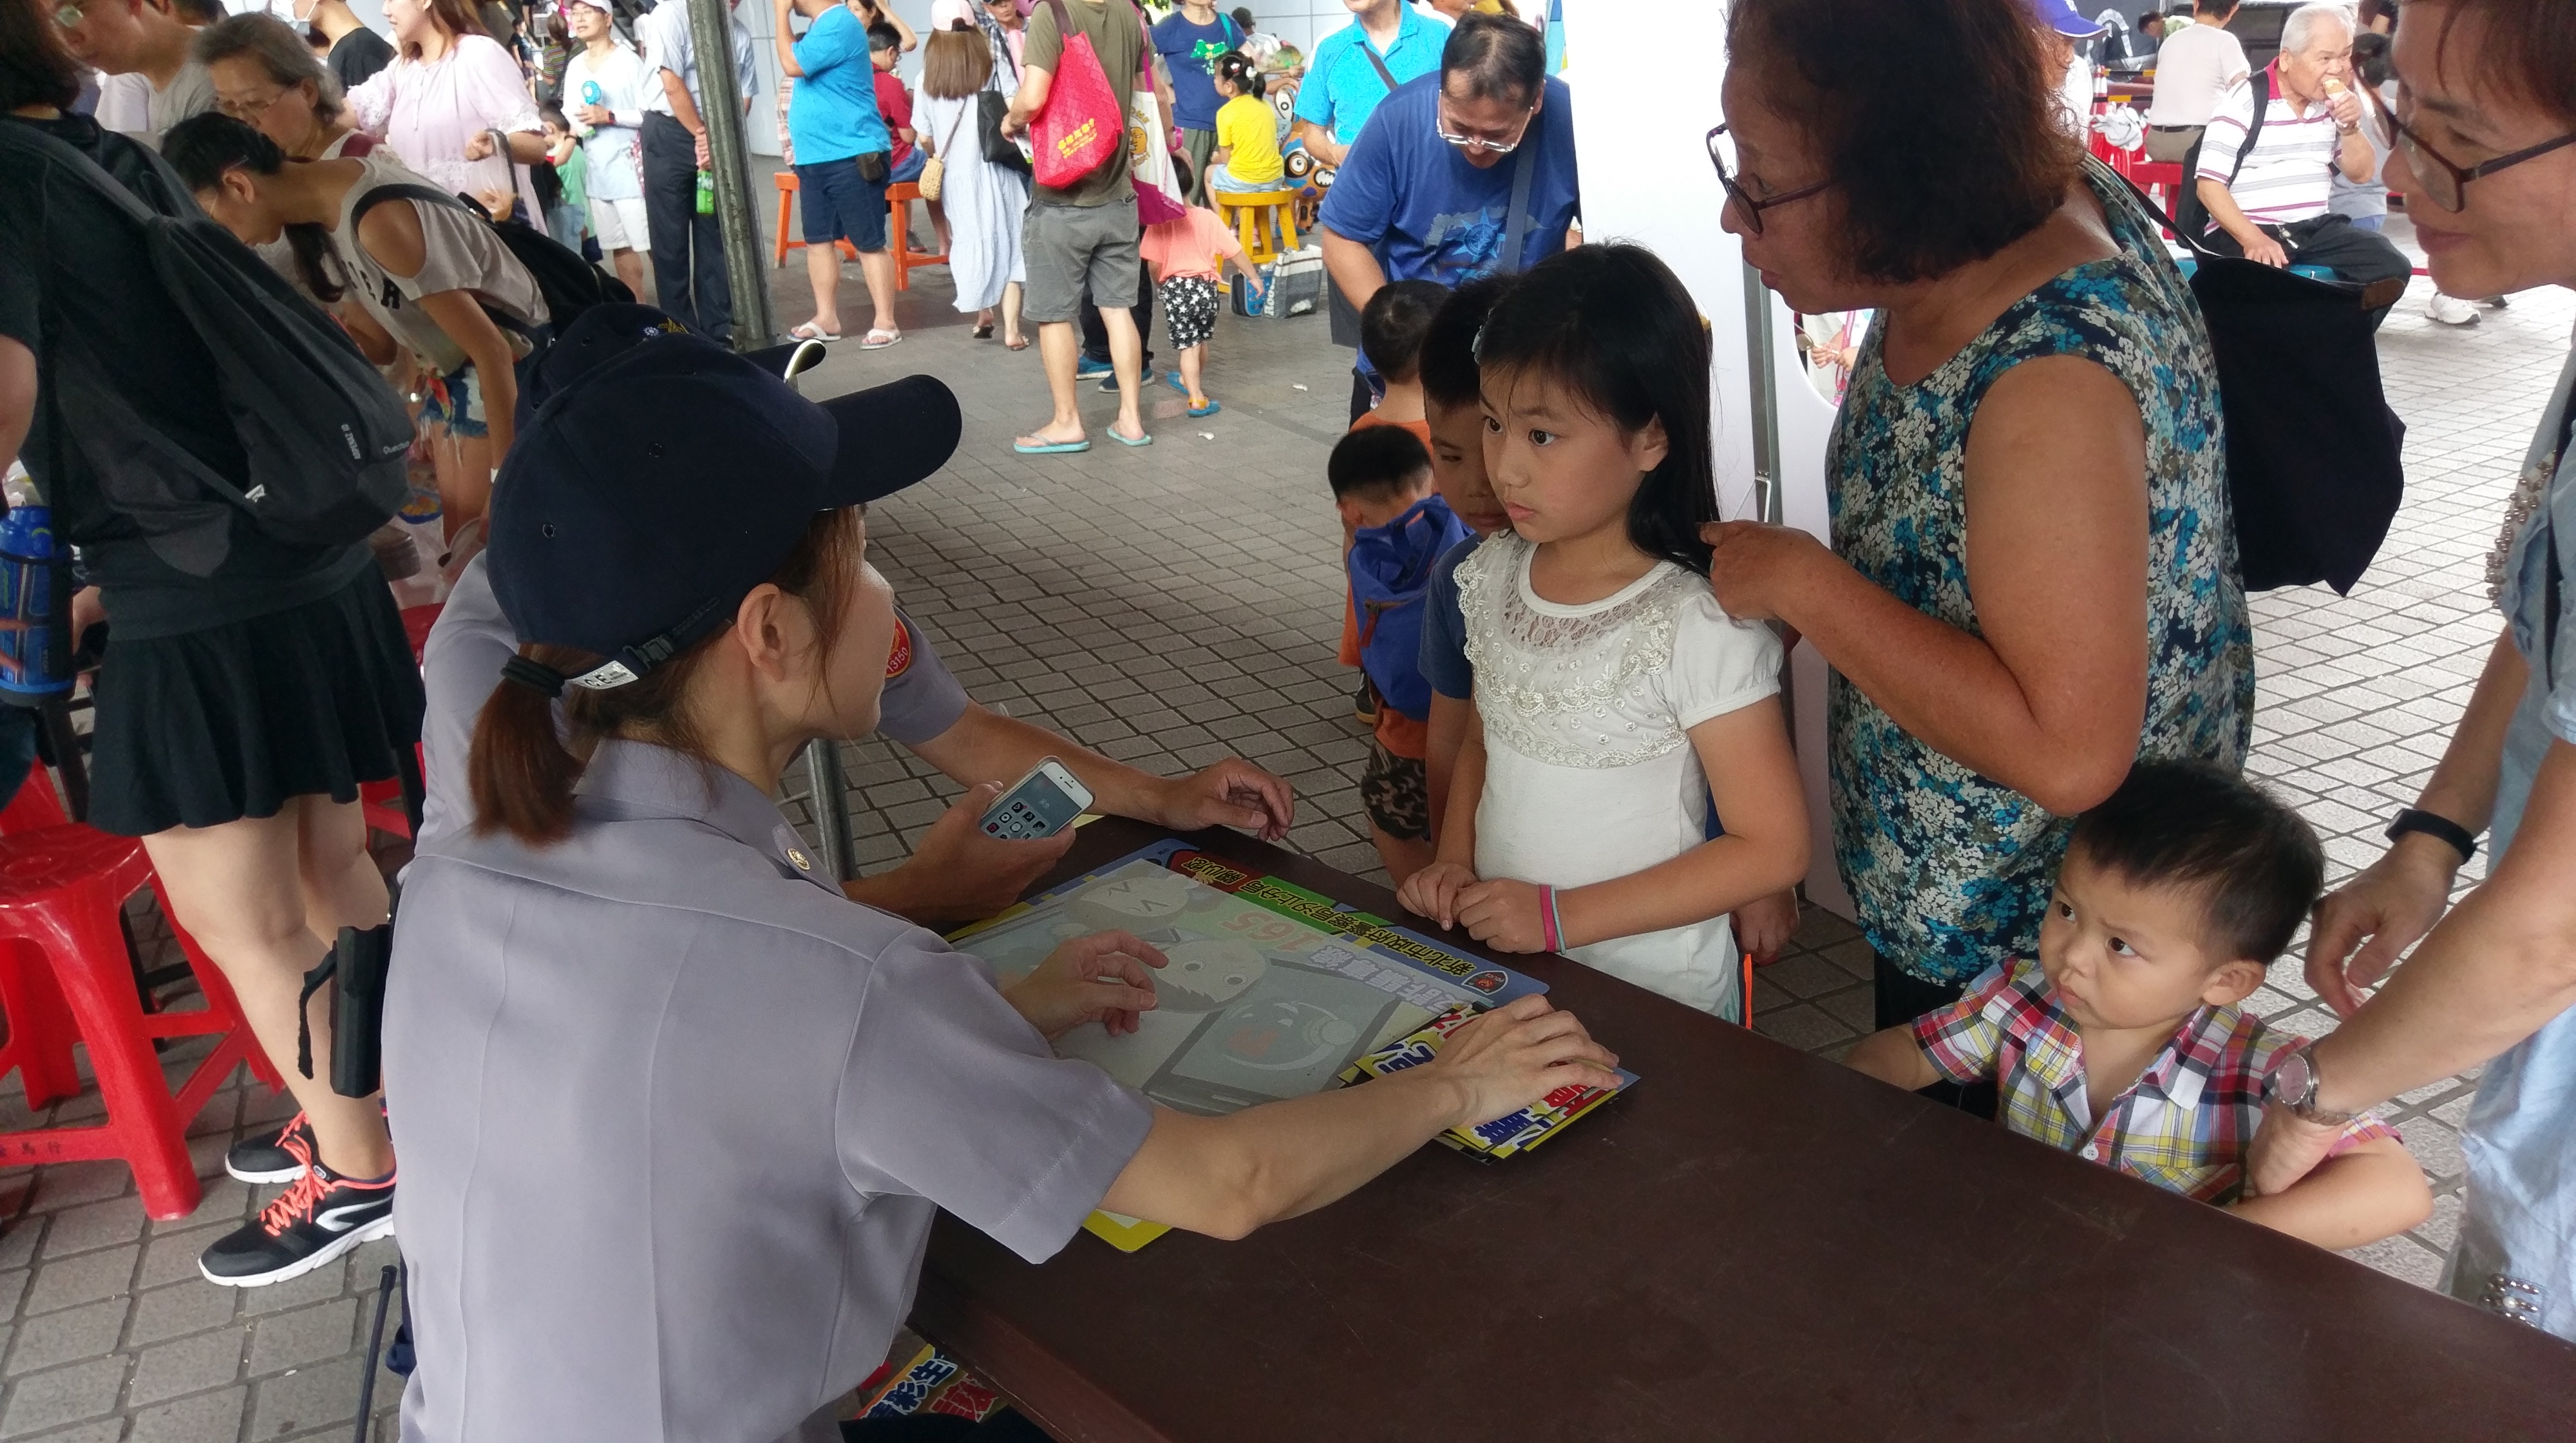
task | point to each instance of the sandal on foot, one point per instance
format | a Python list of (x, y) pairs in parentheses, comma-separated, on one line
[(1032, 446), (1144, 440), (812, 332), (1172, 378), (878, 339), (1209, 409), (984, 330)]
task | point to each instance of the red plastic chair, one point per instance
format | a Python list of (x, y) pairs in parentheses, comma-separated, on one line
[(61, 890), (41, 1030)]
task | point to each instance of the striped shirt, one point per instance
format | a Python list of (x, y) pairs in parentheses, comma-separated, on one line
[(2290, 173), (2184, 1125)]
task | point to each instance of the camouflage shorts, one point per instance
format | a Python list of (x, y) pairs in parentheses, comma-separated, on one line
[(1397, 792)]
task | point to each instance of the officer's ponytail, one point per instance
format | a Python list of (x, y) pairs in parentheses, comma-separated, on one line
[(526, 762)]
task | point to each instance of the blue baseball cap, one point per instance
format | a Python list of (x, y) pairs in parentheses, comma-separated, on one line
[(2062, 17), (666, 478)]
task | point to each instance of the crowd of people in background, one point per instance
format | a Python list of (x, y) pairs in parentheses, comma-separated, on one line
[(2031, 599)]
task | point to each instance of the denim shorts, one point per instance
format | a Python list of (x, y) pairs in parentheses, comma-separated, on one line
[(841, 204), (456, 402)]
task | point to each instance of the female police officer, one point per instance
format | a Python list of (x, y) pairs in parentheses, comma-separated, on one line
[(675, 1114)]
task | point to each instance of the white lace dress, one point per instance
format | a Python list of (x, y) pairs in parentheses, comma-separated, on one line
[(1589, 771)]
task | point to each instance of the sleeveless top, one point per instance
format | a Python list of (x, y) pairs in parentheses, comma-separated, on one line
[(462, 254), (1951, 870)]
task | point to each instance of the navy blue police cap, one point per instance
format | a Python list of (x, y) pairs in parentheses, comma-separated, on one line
[(657, 486)]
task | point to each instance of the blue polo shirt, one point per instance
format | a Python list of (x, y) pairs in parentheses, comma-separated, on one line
[(833, 113), (1427, 214), (1342, 89), (1190, 52)]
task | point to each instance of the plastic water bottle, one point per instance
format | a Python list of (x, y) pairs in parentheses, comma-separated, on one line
[(706, 192), (35, 588)]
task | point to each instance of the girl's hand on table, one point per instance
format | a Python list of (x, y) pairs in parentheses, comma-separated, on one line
[(1100, 978), (1515, 1055), (1433, 891), (1505, 915)]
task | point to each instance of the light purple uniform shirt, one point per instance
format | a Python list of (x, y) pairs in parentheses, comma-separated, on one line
[(675, 1117)]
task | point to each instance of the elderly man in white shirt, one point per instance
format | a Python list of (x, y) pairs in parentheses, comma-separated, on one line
[(2195, 68)]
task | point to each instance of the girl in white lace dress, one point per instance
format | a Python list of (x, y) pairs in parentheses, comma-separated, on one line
[(1613, 695)]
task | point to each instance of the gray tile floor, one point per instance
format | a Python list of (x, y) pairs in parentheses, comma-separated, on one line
[(1174, 604)]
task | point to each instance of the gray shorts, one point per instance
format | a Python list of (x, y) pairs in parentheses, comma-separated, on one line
[(1073, 247)]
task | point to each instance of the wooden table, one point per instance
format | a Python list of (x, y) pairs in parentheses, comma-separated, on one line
[(1752, 1244)]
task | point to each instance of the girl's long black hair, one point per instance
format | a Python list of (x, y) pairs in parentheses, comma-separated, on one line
[(202, 147), (1612, 326)]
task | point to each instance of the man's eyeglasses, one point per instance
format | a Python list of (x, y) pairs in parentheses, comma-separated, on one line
[(1721, 153), (69, 16), (1440, 128), (2447, 184)]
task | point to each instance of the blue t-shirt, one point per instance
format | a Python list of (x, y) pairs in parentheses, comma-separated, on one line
[(833, 113), (1413, 199), (1444, 628), (1190, 52), (1342, 88)]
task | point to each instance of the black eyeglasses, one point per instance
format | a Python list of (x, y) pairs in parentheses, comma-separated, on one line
[(1721, 153), (2446, 184)]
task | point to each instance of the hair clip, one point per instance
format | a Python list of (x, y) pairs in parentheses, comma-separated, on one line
[(1476, 347), (536, 676)]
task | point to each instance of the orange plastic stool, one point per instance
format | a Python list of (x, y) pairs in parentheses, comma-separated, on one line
[(786, 211), (61, 889), (899, 199)]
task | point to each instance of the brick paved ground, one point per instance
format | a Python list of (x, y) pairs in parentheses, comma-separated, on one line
[(1170, 605)]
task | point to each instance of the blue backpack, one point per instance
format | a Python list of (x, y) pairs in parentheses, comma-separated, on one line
[(1390, 570)]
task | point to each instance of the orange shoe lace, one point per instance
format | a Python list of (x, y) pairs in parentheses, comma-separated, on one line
[(292, 1138), (297, 1203)]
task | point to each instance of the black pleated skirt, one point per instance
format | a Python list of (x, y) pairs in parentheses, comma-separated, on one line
[(213, 726)]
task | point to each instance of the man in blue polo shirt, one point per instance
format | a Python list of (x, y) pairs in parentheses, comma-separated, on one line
[(1460, 174), (842, 164), (1386, 44)]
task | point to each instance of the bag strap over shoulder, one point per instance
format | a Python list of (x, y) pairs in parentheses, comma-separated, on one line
[(405, 190), (1516, 226), (20, 136), (2260, 82), (1374, 59)]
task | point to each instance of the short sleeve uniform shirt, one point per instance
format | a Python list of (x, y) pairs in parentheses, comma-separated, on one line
[(676, 1117)]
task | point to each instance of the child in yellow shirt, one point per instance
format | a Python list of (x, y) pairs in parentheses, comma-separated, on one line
[(1246, 157)]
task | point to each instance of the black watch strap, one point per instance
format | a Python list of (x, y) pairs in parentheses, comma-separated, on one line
[(2433, 824)]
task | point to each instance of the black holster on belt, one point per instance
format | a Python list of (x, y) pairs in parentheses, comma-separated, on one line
[(357, 964)]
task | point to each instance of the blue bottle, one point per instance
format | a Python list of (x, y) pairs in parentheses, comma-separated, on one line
[(36, 589)]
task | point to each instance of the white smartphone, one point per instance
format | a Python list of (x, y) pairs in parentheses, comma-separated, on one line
[(1040, 804)]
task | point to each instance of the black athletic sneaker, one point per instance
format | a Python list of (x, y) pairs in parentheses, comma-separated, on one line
[(278, 1156), (321, 1217)]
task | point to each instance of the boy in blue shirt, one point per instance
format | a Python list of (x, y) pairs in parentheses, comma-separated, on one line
[(1381, 478), (1454, 407), (842, 164)]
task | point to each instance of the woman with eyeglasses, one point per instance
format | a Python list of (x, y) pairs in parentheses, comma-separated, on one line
[(267, 77), (2485, 122), (2033, 580)]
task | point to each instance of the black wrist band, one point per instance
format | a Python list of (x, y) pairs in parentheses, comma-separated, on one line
[(2433, 824)]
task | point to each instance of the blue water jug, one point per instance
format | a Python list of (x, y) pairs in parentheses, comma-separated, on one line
[(36, 590)]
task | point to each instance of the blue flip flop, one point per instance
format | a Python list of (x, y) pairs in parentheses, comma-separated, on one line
[(1055, 448), (1210, 409), (1145, 440), (1173, 380)]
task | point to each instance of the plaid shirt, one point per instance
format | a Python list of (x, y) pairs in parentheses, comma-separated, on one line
[(2183, 1125)]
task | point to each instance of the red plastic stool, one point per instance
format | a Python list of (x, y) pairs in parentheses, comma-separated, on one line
[(60, 892), (41, 1030)]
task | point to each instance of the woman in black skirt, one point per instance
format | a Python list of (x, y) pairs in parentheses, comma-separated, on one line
[(249, 685)]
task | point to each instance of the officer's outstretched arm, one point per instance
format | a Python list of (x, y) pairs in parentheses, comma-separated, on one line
[(1225, 1176)]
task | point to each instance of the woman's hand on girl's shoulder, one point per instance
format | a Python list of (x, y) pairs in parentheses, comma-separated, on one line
[(1505, 915), (1433, 891), (1753, 567)]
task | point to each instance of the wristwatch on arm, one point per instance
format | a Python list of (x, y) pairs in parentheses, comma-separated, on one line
[(2293, 1083), (2434, 824)]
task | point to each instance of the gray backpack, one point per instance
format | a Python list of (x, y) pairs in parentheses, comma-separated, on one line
[(323, 436)]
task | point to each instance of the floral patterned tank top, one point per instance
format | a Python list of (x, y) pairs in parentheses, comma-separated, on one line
[(1951, 870)]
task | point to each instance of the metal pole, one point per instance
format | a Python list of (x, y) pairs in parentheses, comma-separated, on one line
[(720, 106), (831, 802), (1766, 395)]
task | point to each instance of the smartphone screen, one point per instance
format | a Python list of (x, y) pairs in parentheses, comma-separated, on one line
[(1041, 804)]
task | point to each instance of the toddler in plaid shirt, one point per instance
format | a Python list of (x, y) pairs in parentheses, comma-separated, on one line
[(2123, 1042)]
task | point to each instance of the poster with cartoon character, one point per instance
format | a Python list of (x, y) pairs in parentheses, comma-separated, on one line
[(1271, 989)]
